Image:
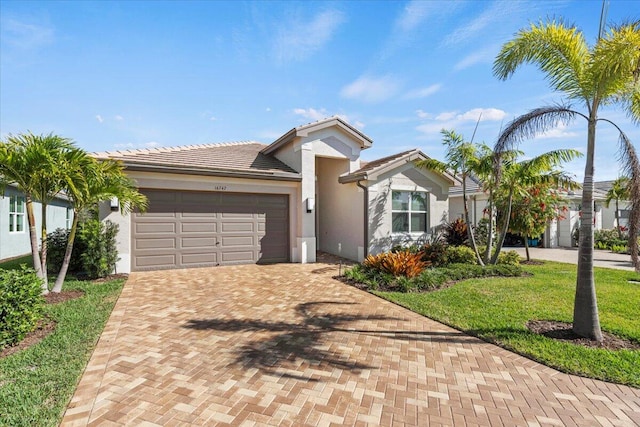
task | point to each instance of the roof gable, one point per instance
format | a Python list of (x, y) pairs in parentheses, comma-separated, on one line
[(372, 170), (305, 130)]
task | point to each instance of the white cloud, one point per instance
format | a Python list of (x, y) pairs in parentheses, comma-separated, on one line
[(484, 114), (99, 118), (152, 144), (423, 114), (25, 36), (452, 119), (311, 113), (423, 92), (488, 19), (268, 109), (297, 40), (481, 56), (213, 118), (413, 14), (559, 131), (371, 89), (118, 118), (359, 124), (132, 146)]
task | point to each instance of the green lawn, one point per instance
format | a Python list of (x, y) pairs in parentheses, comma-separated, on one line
[(497, 309), (14, 264), (37, 383)]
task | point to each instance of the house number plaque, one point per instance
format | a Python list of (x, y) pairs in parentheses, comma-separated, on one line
[(220, 187)]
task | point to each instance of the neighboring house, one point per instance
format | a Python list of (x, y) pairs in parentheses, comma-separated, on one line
[(609, 213), (558, 233), (248, 202), (14, 227)]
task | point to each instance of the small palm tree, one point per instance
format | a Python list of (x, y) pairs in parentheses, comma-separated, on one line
[(89, 181), (607, 73), (35, 165), (619, 191), (462, 158), (516, 178)]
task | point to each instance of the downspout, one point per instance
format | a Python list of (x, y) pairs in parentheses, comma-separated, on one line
[(366, 217)]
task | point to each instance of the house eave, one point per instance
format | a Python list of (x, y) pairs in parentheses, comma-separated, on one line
[(176, 169)]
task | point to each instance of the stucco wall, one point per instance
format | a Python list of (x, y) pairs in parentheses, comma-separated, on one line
[(16, 244), (406, 178), (199, 183), (609, 214), (476, 204), (340, 209)]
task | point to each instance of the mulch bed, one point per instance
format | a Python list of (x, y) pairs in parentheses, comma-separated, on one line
[(562, 331), (58, 297), (44, 328)]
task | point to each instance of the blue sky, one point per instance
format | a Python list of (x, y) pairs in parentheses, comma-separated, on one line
[(118, 75)]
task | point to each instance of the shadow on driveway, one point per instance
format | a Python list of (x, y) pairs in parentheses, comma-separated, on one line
[(307, 342)]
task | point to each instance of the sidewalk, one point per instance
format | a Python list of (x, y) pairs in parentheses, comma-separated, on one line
[(606, 259)]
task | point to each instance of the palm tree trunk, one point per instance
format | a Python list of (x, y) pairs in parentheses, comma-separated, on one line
[(33, 237), (43, 249), (505, 228), (586, 321), (57, 287), (618, 221), (487, 252), (472, 239)]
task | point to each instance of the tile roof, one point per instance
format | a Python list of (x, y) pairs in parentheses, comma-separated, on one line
[(374, 164), (243, 157)]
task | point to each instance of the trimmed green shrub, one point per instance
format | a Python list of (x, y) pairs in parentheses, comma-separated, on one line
[(100, 255), (56, 247), (21, 304), (459, 255), (509, 258)]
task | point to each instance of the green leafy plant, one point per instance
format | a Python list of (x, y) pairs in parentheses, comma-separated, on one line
[(100, 256), (57, 245), (459, 255), (21, 304)]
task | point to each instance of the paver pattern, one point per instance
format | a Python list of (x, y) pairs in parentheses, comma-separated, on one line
[(288, 345)]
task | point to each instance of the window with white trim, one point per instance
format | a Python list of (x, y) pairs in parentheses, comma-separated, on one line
[(69, 218), (16, 214), (409, 211)]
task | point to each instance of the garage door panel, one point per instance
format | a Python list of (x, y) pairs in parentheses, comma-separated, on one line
[(193, 229), (238, 227), (155, 228), (155, 260), (199, 227), (198, 242), (158, 243), (198, 259)]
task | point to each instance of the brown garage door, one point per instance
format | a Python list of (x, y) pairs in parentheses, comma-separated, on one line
[(184, 229)]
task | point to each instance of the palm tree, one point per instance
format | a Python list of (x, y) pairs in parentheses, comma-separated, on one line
[(461, 158), (517, 178), (34, 164), (89, 181), (619, 191), (604, 74)]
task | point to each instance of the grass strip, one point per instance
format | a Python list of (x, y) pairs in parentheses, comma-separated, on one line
[(497, 310)]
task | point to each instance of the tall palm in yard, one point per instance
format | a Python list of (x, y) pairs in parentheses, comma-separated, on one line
[(89, 181), (619, 191), (604, 74), (35, 165)]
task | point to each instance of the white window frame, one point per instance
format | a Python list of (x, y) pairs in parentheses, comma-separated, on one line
[(69, 217), (14, 213), (410, 211)]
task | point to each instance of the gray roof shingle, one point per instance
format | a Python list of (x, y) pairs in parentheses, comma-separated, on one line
[(237, 157)]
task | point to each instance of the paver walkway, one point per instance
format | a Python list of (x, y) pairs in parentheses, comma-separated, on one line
[(601, 258), (287, 345)]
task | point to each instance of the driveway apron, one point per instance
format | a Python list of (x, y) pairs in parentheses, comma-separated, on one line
[(288, 345)]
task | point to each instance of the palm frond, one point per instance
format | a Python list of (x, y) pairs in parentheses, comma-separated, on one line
[(533, 123), (615, 68), (557, 49), (631, 168), (432, 164)]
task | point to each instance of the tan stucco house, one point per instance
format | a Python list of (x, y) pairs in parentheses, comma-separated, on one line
[(247, 202)]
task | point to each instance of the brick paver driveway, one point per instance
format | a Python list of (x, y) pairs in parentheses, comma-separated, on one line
[(287, 345)]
